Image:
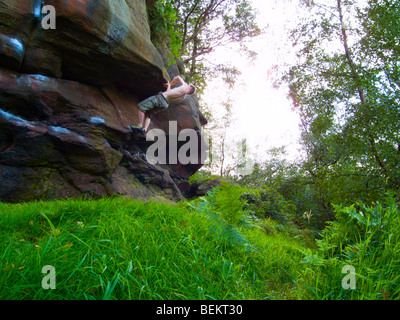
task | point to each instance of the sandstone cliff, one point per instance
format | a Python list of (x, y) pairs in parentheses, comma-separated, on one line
[(69, 95)]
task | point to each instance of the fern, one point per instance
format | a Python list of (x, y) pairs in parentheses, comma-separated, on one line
[(359, 226), (224, 210), (228, 203)]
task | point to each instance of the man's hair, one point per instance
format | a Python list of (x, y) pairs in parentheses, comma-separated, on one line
[(192, 89)]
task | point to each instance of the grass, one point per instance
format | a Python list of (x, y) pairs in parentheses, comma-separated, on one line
[(119, 249), (124, 249)]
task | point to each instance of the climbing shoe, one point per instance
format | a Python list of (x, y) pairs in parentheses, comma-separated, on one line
[(138, 128)]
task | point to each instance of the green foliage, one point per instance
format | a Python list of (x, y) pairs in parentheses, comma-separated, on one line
[(272, 172), (162, 25), (345, 87), (224, 209), (359, 224), (202, 176), (268, 203), (227, 202), (211, 248), (289, 192), (365, 237), (203, 25)]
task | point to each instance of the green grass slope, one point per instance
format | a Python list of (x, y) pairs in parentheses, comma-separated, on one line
[(126, 249), (210, 248)]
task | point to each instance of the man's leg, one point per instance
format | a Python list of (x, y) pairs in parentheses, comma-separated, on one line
[(141, 122), (144, 120), (151, 105), (141, 117), (146, 123), (144, 107)]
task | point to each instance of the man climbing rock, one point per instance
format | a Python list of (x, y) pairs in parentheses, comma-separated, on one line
[(147, 108)]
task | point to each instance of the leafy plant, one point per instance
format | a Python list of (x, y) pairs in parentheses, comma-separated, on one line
[(202, 176), (366, 237), (224, 209), (370, 225), (162, 25), (344, 85), (267, 203), (187, 26)]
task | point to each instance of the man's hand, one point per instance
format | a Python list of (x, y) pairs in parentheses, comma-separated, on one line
[(177, 79)]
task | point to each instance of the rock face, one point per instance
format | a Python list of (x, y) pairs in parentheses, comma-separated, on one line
[(68, 96)]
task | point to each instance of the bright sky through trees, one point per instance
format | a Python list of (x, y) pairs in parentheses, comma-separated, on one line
[(261, 114)]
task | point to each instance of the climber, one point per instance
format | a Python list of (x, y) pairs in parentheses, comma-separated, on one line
[(147, 108)]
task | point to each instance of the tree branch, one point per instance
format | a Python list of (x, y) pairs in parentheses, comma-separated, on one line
[(185, 27), (334, 74)]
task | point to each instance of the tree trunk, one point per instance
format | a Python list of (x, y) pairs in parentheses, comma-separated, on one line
[(356, 76)]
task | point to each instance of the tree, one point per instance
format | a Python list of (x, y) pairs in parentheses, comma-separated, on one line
[(220, 147), (271, 172), (345, 86), (203, 25)]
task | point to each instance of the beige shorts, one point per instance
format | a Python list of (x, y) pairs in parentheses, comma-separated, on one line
[(153, 104)]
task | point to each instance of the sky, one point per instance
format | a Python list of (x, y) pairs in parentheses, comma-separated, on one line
[(263, 115)]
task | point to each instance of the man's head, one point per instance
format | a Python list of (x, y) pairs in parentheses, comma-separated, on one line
[(192, 89)]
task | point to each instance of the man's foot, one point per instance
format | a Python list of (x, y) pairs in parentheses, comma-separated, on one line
[(140, 155), (138, 128)]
